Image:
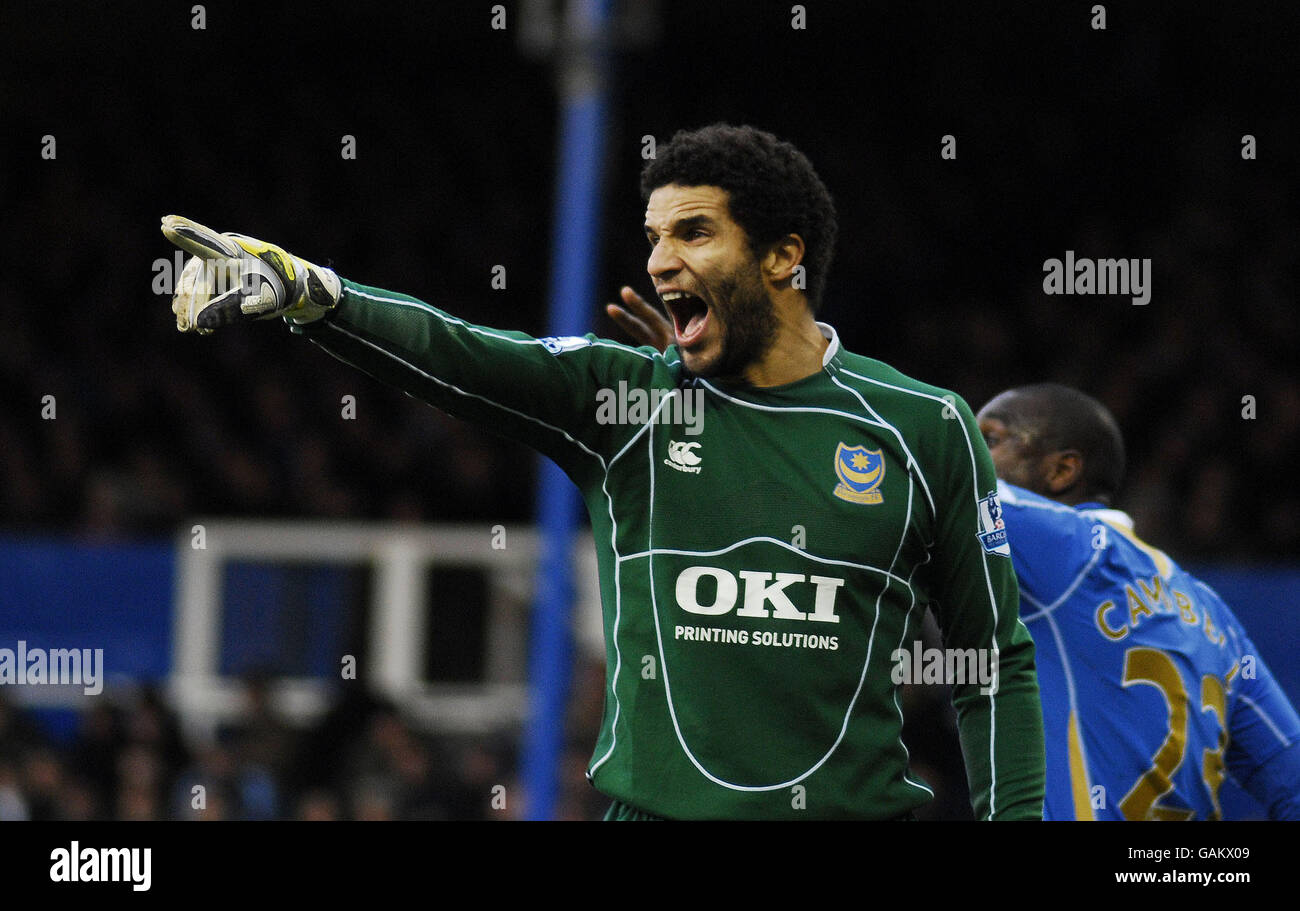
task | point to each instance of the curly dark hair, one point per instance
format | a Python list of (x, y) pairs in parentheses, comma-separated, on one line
[(771, 186)]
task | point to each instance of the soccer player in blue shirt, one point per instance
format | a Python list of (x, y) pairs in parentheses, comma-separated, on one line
[(1152, 692)]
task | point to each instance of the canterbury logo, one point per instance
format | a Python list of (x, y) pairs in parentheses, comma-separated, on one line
[(682, 457)]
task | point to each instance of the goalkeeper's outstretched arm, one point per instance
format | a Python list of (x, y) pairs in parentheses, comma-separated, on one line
[(543, 392)]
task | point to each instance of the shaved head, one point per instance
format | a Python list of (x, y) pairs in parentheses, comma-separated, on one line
[(1055, 441)]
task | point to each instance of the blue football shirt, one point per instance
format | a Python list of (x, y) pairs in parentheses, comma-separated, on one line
[(1152, 692)]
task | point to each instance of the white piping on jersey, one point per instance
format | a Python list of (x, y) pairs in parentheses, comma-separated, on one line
[(1103, 515), (454, 388), (1025, 596), (1277, 732), (490, 333), (908, 616), (654, 416), (882, 424), (988, 580), (663, 661), (911, 459), (1070, 694), (1044, 610), (907, 619), (618, 592), (618, 654), (1232, 632), (790, 547)]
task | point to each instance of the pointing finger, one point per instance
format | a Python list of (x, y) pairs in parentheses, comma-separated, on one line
[(193, 237)]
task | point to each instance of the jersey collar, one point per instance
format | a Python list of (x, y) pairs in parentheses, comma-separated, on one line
[(1106, 514), (828, 332)]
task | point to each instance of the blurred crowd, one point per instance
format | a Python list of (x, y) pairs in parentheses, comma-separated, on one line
[(362, 760), (146, 428), (113, 424)]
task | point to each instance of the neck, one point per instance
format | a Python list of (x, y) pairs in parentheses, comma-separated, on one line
[(796, 352)]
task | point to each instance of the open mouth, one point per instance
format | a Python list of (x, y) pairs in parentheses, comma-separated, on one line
[(690, 315)]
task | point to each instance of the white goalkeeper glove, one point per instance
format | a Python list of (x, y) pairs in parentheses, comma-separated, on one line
[(232, 278)]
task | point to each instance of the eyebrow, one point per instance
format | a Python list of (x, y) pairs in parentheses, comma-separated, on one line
[(685, 224)]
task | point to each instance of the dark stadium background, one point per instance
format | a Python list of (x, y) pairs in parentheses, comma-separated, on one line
[(1124, 142)]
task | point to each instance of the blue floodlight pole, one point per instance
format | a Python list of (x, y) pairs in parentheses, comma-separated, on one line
[(574, 267)]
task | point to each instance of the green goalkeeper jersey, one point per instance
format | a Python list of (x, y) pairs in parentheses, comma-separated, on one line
[(765, 554)]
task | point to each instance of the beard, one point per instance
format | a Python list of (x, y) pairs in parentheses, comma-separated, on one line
[(747, 317)]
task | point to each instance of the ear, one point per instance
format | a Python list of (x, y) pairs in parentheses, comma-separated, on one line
[(782, 257), (1063, 470)]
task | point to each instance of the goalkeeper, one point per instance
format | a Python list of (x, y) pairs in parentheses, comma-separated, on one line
[(761, 563)]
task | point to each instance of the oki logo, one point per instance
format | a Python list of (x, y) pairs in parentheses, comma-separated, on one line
[(761, 590)]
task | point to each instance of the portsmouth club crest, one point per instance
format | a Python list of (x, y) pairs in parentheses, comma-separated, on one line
[(860, 471)]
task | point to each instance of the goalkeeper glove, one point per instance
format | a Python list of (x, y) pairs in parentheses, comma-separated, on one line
[(232, 277)]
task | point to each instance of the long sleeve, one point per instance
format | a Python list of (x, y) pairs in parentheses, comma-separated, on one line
[(1001, 726), (542, 392), (1264, 730)]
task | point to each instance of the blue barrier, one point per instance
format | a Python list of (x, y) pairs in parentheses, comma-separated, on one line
[(65, 593)]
